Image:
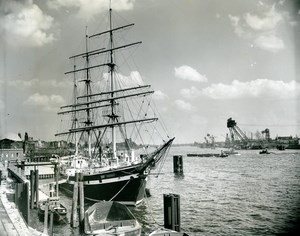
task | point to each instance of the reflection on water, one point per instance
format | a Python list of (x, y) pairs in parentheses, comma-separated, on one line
[(249, 194)]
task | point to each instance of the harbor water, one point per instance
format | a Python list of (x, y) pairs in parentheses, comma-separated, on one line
[(246, 194)]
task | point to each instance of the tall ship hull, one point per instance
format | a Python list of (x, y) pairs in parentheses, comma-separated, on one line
[(125, 185), (128, 190)]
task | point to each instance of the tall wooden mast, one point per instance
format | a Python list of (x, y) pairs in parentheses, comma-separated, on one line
[(111, 65), (88, 91), (74, 121), (89, 101)]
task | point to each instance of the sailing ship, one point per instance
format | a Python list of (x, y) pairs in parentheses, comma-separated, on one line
[(111, 117)]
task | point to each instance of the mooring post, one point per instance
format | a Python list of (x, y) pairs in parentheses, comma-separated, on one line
[(27, 202), (46, 218), (37, 186), (32, 193), (56, 177), (81, 203), (51, 222), (172, 212), (178, 164), (74, 203)]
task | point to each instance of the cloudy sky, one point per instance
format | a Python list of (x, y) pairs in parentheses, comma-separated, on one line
[(208, 60)]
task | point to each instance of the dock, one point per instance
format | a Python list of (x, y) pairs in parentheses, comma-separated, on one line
[(11, 221)]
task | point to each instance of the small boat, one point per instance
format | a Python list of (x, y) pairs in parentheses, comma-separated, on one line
[(110, 218), (59, 210), (167, 232), (265, 151), (223, 154)]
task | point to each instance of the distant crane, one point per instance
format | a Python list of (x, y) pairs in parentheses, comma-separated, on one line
[(236, 133), (266, 134)]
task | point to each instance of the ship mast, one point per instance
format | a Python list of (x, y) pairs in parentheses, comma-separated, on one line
[(88, 91), (104, 99), (74, 115), (111, 65)]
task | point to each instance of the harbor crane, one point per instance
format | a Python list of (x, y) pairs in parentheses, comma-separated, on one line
[(236, 133), (266, 134)]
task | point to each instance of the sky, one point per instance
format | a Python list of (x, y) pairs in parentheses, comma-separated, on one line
[(207, 60)]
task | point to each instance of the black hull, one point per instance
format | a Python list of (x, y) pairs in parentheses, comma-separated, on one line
[(125, 184), (130, 191)]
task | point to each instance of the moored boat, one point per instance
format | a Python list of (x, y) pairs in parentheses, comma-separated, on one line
[(110, 218), (59, 210), (167, 232)]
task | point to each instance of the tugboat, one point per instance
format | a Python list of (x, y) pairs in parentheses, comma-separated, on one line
[(110, 124)]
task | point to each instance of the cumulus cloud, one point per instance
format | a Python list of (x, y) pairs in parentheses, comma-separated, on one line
[(47, 103), (185, 106), (188, 73), (261, 27), (159, 95), (88, 9), (270, 43), (190, 93), (23, 23), (238, 29), (259, 88), (268, 21)]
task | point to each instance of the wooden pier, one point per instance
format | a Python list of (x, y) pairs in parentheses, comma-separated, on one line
[(12, 223)]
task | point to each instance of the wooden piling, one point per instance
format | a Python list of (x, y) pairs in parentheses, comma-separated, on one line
[(32, 193), (51, 222), (172, 212), (26, 203), (36, 186), (81, 203), (178, 164), (46, 219), (56, 177), (74, 222)]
